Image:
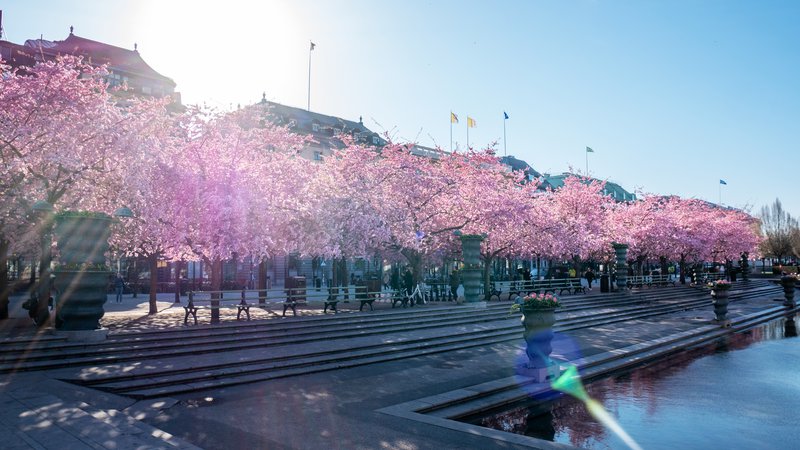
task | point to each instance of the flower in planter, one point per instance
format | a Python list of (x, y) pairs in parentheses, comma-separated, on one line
[(536, 301), (720, 284)]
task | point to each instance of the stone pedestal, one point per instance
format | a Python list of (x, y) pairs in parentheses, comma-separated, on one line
[(720, 297), (621, 256), (81, 297), (538, 335), (472, 272), (744, 263), (81, 278), (788, 283)]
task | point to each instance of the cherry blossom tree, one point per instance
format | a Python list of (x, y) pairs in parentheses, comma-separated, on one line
[(579, 210), (63, 140), (226, 187)]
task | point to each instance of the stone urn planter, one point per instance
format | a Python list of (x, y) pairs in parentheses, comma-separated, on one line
[(538, 335), (538, 318), (788, 283), (472, 273), (720, 291), (81, 278), (82, 294)]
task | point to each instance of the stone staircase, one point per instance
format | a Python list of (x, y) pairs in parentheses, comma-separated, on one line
[(170, 362)]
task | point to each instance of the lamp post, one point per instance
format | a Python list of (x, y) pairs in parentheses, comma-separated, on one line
[(41, 312), (121, 213)]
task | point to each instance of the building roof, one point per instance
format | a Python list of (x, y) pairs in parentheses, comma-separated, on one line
[(16, 55), (530, 173), (612, 189), (117, 58), (324, 128)]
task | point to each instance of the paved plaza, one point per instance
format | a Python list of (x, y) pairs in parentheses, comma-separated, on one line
[(362, 399)]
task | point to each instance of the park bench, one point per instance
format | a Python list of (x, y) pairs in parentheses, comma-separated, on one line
[(225, 299), (662, 280), (571, 285), (649, 280), (360, 294), (708, 277), (498, 287), (638, 281)]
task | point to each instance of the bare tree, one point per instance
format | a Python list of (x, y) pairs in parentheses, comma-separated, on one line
[(778, 227), (795, 241)]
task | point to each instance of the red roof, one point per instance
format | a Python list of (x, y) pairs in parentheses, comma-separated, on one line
[(99, 53)]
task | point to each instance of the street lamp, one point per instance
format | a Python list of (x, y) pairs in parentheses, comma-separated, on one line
[(41, 313), (122, 212)]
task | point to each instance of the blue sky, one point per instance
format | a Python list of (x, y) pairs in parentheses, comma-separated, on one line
[(672, 95)]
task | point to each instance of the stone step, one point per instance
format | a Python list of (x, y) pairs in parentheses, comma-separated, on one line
[(170, 382), (252, 331), (512, 390), (108, 354)]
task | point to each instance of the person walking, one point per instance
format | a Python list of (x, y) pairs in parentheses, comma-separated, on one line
[(455, 280), (119, 284), (589, 275), (386, 280)]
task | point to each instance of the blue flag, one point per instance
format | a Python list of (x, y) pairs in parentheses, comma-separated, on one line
[(505, 115), (722, 182)]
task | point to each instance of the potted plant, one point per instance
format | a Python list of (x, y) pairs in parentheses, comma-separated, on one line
[(719, 292), (82, 276), (538, 318)]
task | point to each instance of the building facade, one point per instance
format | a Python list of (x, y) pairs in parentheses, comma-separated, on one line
[(125, 67)]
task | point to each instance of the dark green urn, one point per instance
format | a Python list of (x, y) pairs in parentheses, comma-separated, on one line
[(81, 278)]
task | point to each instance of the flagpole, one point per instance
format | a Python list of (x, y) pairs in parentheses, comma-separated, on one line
[(310, 49), (467, 133), (505, 144), (451, 131)]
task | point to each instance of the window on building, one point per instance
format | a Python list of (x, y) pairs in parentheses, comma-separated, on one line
[(317, 156), (315, 127), (375, 140), (146, 90)]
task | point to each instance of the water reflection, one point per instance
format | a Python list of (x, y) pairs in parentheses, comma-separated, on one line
[(790, 329), (640, 399)]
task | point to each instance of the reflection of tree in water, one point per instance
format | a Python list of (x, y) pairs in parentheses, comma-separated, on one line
[(569, 417)]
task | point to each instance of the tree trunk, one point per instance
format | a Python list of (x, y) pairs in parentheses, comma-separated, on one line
[(42, 313), (487, 289), (5, 287), (414, 259), (262, 281), (177, 281), (682, 267), (152, 261), (216, 285), (663, 264)]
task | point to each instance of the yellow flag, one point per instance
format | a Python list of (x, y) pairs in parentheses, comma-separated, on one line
[(471, 122), (453, 117)]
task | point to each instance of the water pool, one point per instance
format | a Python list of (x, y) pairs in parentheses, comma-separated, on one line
[(741, 393)]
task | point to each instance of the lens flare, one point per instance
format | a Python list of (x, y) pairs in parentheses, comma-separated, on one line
[(570, 383)]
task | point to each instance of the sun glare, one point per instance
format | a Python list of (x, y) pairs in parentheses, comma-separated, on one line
[(199, 44)]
